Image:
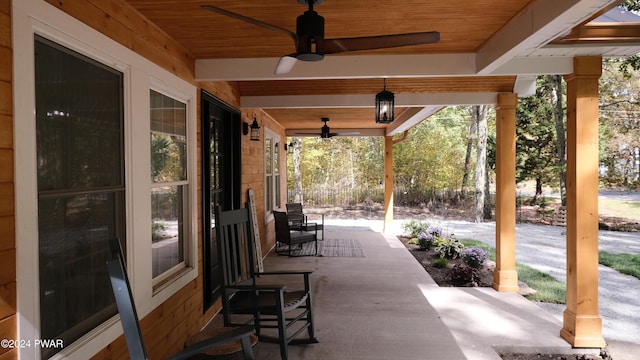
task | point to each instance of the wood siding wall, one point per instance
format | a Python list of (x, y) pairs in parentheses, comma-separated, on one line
[(253, 171), (167, 327), (8, 322)]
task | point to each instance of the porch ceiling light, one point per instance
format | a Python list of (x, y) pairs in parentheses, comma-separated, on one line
[(384, 106)]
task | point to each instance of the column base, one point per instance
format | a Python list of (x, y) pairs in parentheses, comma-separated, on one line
[(505, 281), (583, 331)]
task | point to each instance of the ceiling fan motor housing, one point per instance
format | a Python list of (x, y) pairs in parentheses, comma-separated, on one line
[(309, 28), (325, 132)]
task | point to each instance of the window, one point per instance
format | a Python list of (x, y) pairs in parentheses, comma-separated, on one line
[(79, 113), (169, 182), (84, 178), (272, 172)]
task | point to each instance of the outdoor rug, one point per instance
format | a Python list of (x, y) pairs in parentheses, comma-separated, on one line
[(330, 247)]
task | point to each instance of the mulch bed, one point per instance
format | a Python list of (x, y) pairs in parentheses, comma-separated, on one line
[(426, 258)]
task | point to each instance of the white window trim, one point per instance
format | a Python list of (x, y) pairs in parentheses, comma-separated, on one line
[(275, 139), (168, 276), (31, 17)]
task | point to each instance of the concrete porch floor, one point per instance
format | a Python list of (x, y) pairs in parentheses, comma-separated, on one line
[(385, 306)]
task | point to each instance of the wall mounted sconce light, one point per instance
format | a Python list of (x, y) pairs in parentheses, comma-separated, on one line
[(384, 105), (254, 129), (289, 147)]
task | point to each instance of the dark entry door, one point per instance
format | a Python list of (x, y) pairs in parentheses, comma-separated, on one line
[(220, 181)]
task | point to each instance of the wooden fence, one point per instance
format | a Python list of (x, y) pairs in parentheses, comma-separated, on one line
[(346, 197)]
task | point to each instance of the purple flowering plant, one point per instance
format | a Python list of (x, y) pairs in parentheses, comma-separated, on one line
[(474, 257), (428, 238)]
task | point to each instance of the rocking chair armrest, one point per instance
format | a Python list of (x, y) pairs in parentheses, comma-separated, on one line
[(214, 341), (266, 287), (285, 272)]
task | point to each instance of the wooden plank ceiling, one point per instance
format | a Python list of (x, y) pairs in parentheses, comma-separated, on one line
[(465, 27)]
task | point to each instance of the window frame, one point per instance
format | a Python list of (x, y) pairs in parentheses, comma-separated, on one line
[(272, 179), (35, 17), (186, 184), (95, 250)]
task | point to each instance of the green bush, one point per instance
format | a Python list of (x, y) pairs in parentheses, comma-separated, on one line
[(441, 263), (448, 248), (415, 227)]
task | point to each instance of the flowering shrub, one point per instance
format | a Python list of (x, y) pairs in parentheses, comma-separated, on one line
[(474, 257), (427, 238), (435, 231), (462, 275), (448, 248), (415, 227)]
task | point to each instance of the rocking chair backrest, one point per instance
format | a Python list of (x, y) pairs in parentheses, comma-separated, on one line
[(235, 246)]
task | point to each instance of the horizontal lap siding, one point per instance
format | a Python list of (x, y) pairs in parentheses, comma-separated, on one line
[(253, 171), (8, 324)]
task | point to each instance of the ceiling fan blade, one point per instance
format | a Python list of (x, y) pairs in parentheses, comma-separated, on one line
[(332, 46), (285, 64), (252, 21)]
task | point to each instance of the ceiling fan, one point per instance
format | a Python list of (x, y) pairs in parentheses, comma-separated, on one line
[(312, 46), (325, 131)]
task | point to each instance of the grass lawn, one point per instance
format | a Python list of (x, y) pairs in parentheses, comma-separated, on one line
[(548, 289), (606, 207), (625, 263), (619, 208)]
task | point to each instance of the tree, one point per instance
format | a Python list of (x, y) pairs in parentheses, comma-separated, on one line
[(556, 92), (432, 157), (619, 124), (296, 144), (535, 139), (467, 159), (479, 116)]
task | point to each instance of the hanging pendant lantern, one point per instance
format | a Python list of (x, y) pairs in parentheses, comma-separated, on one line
[(384, 106)]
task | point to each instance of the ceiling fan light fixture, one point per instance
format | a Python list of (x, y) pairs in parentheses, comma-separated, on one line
[(385, 106), (310, 57)]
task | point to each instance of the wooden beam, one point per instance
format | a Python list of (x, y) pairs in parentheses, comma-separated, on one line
[(539, 23)]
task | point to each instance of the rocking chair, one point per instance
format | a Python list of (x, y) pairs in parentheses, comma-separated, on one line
[(131, 325), (270, 306)]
